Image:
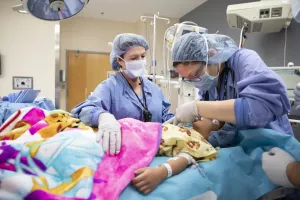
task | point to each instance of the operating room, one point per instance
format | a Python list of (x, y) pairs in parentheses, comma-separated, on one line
[(158, 100)]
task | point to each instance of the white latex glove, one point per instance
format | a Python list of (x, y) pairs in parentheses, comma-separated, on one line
[(109, 133), (275, 163), (186, 113), (297, 97)]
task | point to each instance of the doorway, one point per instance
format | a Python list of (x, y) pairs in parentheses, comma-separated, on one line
[(85, 71)]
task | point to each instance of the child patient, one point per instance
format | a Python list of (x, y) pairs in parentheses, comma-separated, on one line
[(185, 146)]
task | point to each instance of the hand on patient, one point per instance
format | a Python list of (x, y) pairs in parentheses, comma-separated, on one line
[(186, 113), (147, 179), (281, 168), (109, 133)]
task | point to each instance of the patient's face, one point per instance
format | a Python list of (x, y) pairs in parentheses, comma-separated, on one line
[(205, 127)]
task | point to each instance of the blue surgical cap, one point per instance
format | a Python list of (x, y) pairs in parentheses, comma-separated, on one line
[(193, 47), (123, 43)]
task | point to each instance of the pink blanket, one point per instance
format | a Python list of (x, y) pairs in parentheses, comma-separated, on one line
[(140, 143)]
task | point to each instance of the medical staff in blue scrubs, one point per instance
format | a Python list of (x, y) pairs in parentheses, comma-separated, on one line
[(236, 86), (124, 95)]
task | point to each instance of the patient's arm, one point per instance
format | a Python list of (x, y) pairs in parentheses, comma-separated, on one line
[(147, 179), (293, 173), (178, 164)]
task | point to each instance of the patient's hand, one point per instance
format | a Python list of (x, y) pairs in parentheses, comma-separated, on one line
[(147, 179), (205, 126)]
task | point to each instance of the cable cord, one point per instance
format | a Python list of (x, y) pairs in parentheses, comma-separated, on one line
[(285, 40), (148, 36), (241, 37)]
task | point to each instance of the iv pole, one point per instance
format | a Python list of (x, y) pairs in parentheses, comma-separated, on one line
[(155, 17)]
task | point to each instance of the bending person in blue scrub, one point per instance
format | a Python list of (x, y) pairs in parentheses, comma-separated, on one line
[(124, 95), (235, 84)]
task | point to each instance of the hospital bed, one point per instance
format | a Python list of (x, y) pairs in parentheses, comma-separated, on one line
[(191, 176)]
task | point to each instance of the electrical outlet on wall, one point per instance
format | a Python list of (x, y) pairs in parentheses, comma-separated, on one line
[(21, 83)]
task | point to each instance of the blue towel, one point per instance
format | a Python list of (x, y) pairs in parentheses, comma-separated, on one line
[(236, 174), (225, 137), (7, 108)]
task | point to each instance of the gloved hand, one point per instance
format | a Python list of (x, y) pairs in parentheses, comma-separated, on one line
[(109, 133), (275, 164), (297, 96), (186, 113)]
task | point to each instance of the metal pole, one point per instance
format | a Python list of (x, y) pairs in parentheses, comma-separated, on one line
[(154, 49), (155, 17)]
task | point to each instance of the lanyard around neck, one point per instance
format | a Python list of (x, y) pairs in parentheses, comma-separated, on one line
[(224, 76), (144, 96)]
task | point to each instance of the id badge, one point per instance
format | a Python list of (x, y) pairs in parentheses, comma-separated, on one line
[(147, 116)]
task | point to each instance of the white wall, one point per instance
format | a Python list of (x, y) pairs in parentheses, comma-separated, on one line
[(27, 49)]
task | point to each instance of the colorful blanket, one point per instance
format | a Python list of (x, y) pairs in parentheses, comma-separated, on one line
[(50, 155)]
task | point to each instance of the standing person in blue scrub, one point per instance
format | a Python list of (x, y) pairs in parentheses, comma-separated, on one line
[(125, 95)]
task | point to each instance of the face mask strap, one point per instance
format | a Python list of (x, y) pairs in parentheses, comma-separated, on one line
[(122, 58), (206, 43), (219, 69), (121, 65)]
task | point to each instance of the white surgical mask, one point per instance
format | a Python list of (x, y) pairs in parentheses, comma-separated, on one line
[(206, 82), (135, 68)]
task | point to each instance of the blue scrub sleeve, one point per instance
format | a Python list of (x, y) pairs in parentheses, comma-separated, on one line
[(241, 110), (262, 93), (99, 102)]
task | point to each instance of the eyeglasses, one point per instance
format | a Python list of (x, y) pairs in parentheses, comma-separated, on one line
[(196, 77)]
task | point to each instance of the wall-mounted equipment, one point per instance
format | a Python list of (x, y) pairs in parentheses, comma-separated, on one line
[(265, 16), (21, 83)]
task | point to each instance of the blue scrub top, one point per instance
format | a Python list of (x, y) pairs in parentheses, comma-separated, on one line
[(261, 96), (115, 96)]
